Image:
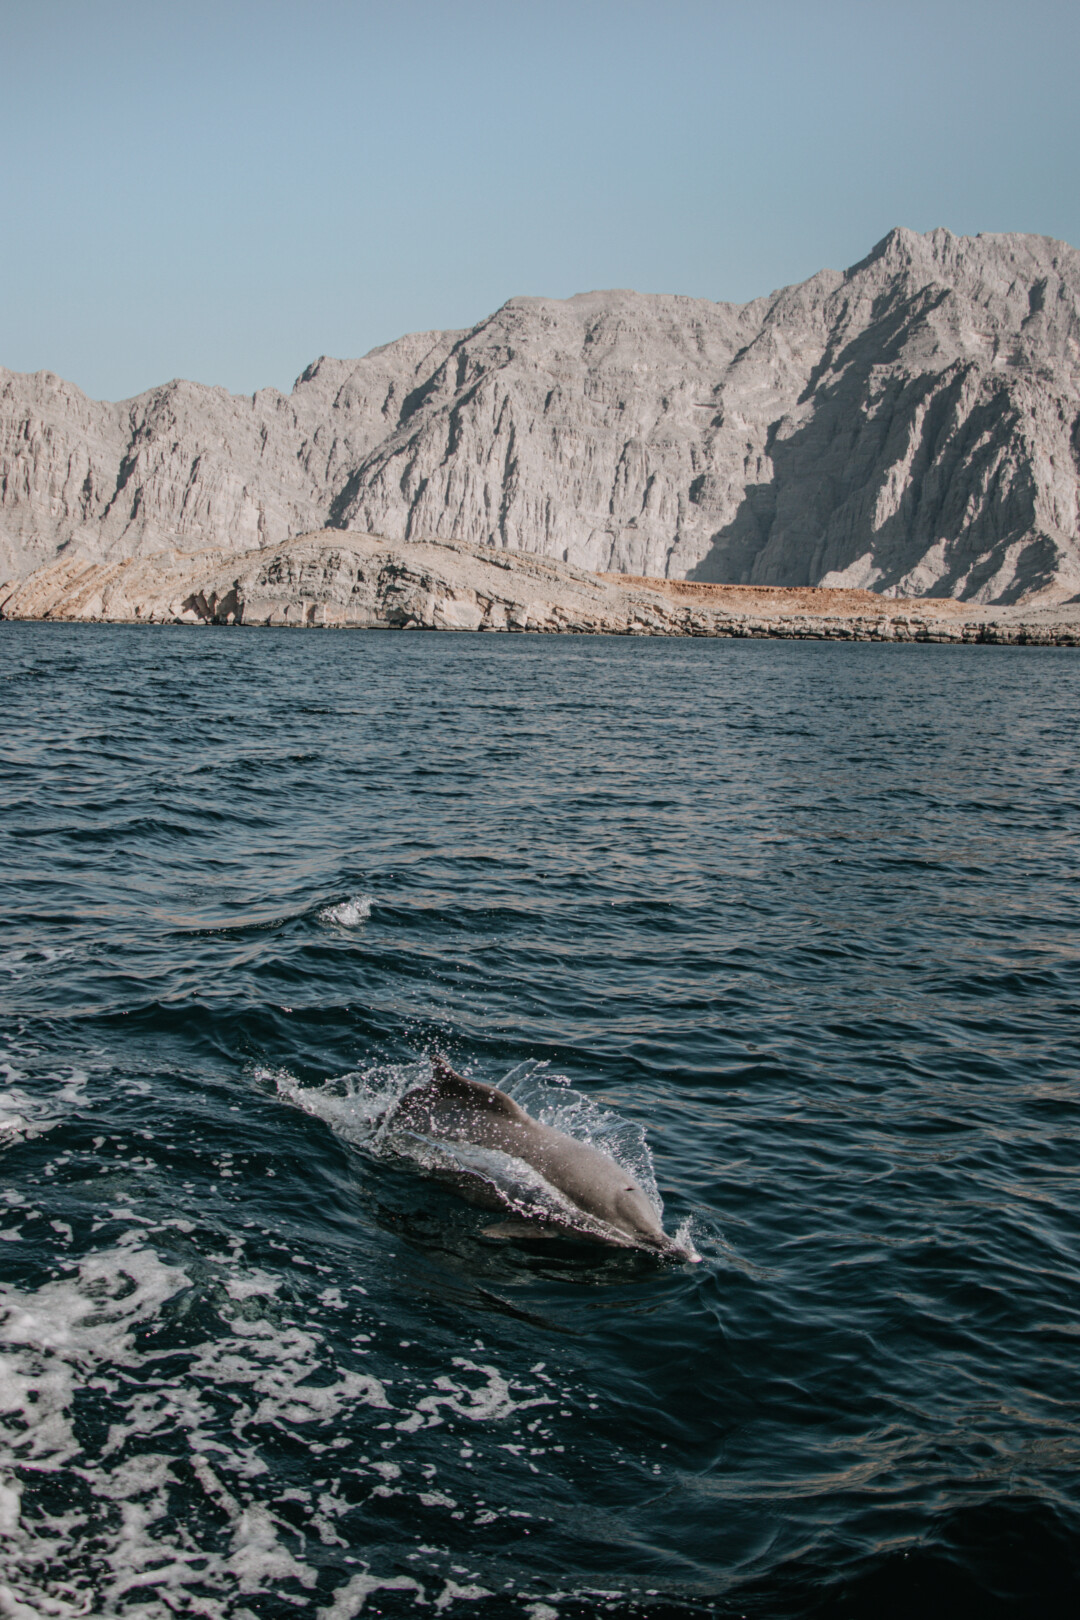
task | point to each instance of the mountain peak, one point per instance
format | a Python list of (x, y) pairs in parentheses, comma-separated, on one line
[(844, 431)]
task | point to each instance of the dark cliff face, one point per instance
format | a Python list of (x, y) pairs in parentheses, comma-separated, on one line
[(910, 426)]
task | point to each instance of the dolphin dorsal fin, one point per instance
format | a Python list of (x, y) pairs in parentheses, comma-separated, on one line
[(490, 1098)]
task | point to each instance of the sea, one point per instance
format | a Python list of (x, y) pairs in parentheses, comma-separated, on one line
[(790, 930)]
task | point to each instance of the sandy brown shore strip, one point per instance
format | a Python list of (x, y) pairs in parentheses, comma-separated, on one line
[(813, 599)]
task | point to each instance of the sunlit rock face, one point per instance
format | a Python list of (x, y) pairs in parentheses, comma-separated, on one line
[(911, 426)]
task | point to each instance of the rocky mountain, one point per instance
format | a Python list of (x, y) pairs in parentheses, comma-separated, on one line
[(911, 425)]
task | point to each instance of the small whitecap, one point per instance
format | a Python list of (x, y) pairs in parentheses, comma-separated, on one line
[(348, 913), (17, 962)]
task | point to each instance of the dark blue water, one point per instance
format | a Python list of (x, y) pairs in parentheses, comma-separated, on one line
[(805, 915)]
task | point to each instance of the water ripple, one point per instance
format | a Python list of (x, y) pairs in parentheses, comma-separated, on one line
[(797, 923)]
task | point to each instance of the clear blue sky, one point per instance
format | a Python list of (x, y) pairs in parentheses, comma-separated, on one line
[(226, 190)]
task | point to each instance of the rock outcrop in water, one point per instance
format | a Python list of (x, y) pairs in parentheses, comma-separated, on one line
[(911, 425), (361, 581)]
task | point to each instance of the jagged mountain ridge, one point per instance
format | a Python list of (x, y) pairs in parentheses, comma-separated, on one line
[(911, 425)]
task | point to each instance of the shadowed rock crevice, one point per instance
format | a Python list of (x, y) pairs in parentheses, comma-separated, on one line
[(206, 607)]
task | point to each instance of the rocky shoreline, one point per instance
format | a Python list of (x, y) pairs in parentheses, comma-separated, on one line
[(333, 579)]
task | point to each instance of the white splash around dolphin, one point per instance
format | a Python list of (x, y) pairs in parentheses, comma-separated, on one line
[(359, 1108)]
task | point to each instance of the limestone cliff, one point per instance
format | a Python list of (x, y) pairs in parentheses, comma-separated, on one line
[(911, 425)]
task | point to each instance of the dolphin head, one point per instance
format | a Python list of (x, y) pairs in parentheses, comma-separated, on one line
[(634, 1214)]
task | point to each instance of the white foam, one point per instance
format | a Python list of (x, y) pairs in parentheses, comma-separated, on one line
[(252, 1285), (452, 1593), (166, 1413), (350, 1598), (488, 1402), (348, 913), (25, 1112), (79, 1332)]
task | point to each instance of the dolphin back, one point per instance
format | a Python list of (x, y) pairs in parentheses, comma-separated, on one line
[(451, 1105)]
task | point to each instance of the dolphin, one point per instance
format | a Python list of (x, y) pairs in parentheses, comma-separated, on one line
[(613, 1208)]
